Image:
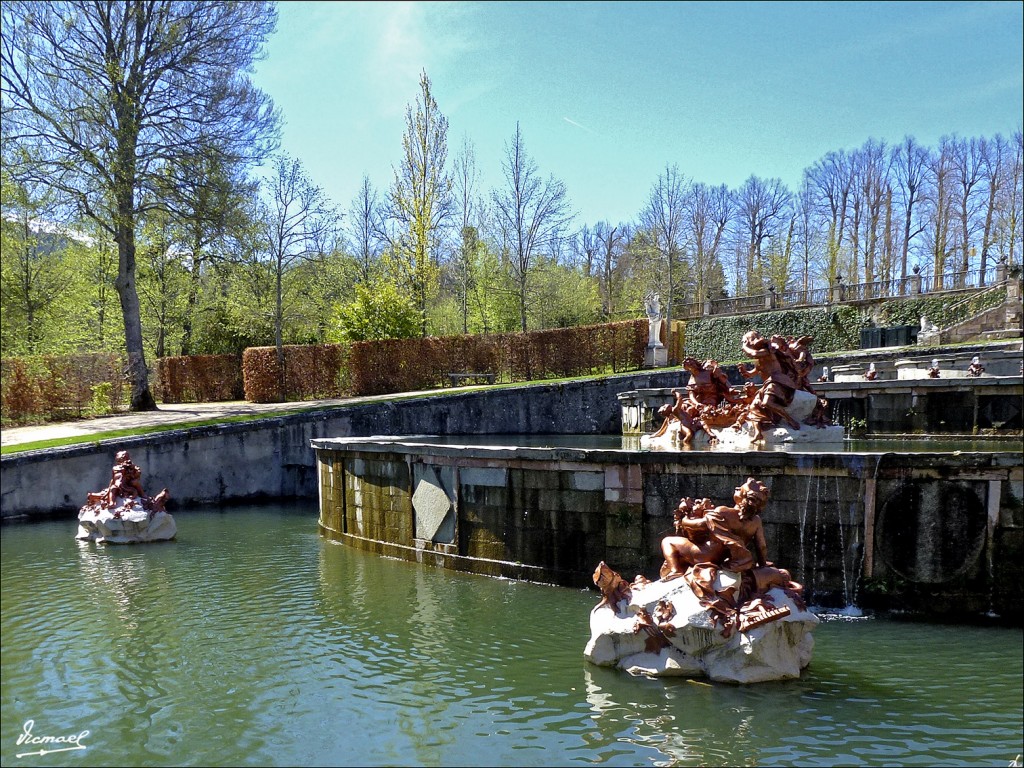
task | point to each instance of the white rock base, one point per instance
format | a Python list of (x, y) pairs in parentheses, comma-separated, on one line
[(132, 525), (778, 650), (807, 434)]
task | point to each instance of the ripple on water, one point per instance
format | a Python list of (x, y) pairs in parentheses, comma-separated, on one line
[(250, 639)]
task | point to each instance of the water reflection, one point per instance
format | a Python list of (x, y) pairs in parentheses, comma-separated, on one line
[(251, 640)]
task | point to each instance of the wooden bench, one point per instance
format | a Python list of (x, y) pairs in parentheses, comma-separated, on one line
[(457, 377)]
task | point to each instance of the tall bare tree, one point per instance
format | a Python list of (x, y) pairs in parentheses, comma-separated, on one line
[(708, 213), (298, 223), (611, 246), (939, 209), (994, 157), (363, 228), (664, 219), (109, 94), (909, 162), (466, 181), (761, 207), (968, 172), (831, 178), (531, 215), (421, 198), (1009, 217)]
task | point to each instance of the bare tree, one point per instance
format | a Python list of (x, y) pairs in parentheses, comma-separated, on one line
[(761, 206), (873, 177), (804, 203), (109, 95), (531, 216), (938, 209), (967, 163), (1009, 218), (466, 178), (610, 245), (831, 178), (421, 198), (910, 161), (994, 158), (708, 213), (664, 219), (363, 228), (299, 220)]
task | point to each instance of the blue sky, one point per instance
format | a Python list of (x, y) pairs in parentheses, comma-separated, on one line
[(608, 93)]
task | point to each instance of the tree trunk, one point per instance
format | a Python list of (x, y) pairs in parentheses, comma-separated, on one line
[(279, 336), (138, 376)]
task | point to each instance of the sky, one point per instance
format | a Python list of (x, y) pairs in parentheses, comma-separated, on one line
[(609, 94)]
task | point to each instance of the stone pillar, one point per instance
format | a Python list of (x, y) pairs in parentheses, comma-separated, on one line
[(915, 283), (707, 304), (771, 300)]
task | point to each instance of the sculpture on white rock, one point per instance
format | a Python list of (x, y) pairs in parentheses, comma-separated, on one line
[(721, 609), (122, 513), (774, 411)]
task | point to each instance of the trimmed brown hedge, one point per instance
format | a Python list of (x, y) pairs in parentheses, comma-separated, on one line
[(55, 387), (311, 372), (400, 365), (198, 379)]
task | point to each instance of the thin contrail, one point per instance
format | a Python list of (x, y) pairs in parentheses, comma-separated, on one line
[(573, 122)]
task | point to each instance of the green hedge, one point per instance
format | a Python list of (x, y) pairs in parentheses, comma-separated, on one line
[(834, 329), (941, 310)]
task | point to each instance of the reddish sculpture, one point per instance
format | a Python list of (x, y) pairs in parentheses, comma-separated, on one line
[(125, 487), (711, 539), (721, 553), (783, 364)]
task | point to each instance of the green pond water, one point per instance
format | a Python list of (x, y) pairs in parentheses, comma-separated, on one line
[(250, 640)]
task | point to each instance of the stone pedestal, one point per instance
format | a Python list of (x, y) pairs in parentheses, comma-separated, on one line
[(656, 357)]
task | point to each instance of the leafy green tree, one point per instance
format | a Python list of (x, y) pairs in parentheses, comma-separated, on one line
[(109, 95), (565, 297), (164, 281), (33, 273), (380, 310)]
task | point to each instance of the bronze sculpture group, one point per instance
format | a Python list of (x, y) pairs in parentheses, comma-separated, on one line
[(122, 513), (721, 553), (708, 402), (124, 489)]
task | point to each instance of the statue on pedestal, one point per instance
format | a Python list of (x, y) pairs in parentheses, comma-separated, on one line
[(122, 512), (716, 575)]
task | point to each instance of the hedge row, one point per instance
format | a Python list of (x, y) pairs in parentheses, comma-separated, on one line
[(396, 365), (721, 338), (311, 372), (198, 379), (54, 387)]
